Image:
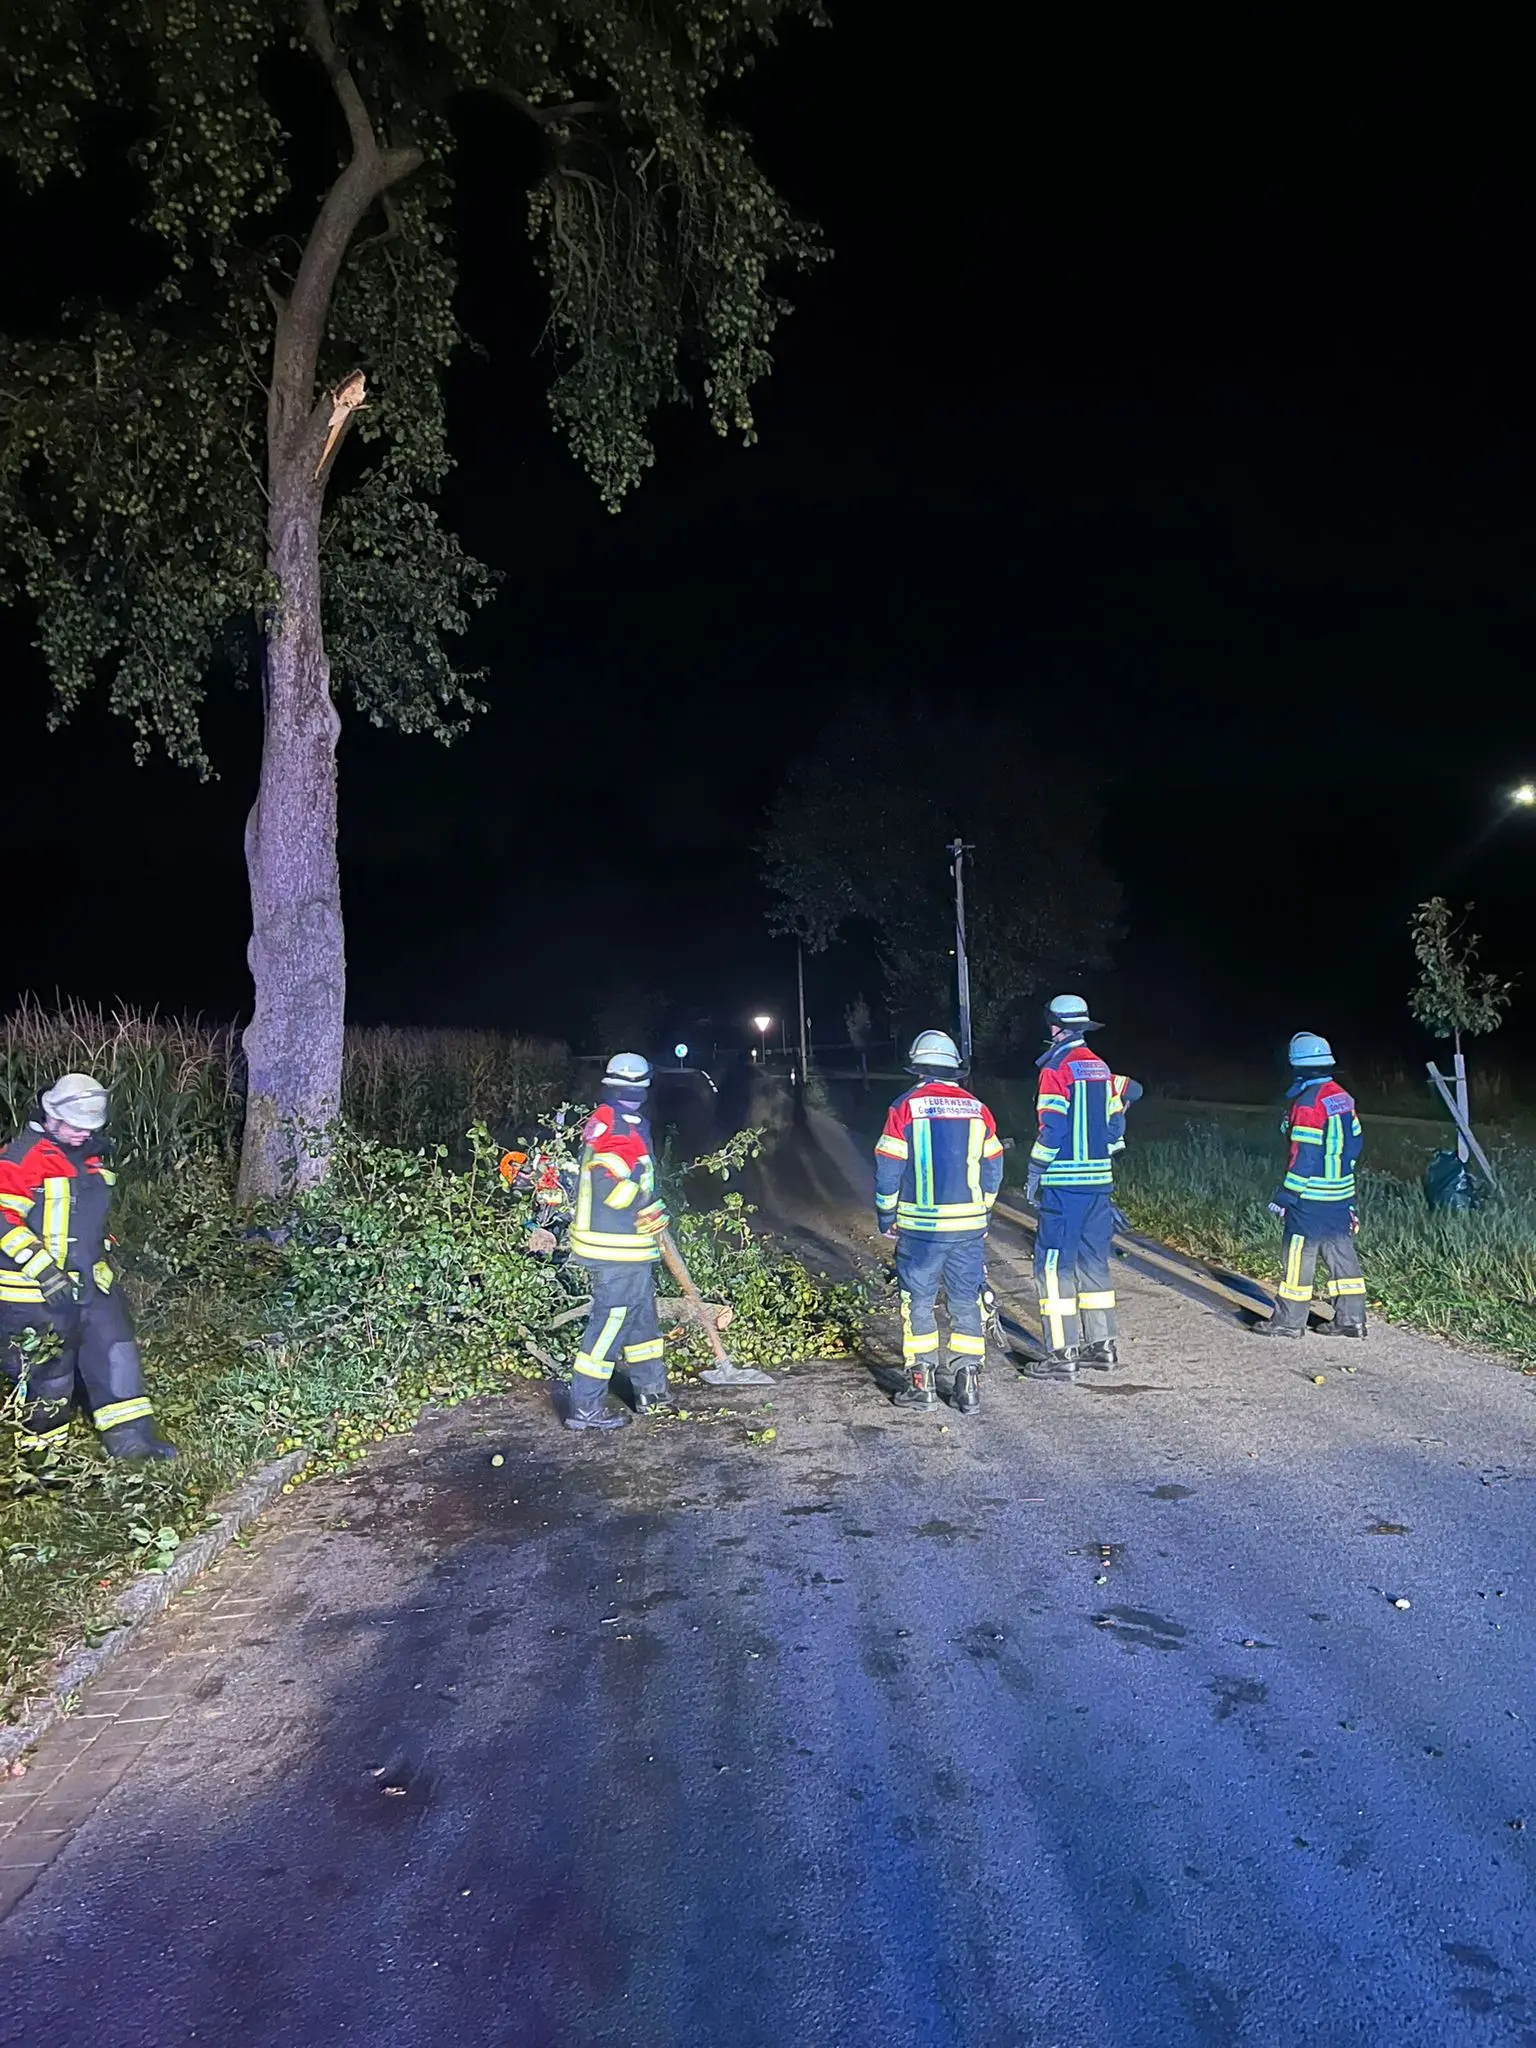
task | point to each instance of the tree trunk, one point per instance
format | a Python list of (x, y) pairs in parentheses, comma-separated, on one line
[(293, 1044)]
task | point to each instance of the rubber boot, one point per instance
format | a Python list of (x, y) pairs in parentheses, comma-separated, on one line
[(919, 1392), (965, 1395), (605, 1418), (1338, 1329), (652, 1400), (590, 1407), (1273, 1327), (1103, 1356), (139, 1439), (1056, 1365)]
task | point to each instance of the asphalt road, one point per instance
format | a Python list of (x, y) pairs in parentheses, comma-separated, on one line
[(1087, 1723)]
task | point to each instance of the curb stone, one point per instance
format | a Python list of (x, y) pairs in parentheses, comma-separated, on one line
[(145, 1596)]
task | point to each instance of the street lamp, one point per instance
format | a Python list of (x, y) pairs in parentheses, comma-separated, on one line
[(762, 1024), (1524, 794)]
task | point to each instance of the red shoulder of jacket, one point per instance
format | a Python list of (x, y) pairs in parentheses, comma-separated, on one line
[(609, 1130), (598, 1124), (25, 1166)]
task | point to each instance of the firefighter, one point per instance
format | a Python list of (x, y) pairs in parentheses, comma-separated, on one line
[(1316, 1200), (1081, 1107), (615, 1235), (56, 1278), (938, 1167)]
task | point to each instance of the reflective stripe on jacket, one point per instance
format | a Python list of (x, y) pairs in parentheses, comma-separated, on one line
[(53, 1212), (1081, 1109), (616, 1189), (1326, 1143), (938, 1162)]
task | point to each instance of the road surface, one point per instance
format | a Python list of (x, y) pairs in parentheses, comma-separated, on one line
[(1189, 1708)]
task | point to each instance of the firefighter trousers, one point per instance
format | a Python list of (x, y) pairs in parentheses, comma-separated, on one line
[(1072, 1247), (924, 1264), (621, 1330), (1309, 1236), (104, 1368)]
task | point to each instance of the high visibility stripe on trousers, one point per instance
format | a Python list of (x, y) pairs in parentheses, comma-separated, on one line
[(915, 1343), (1291, 1288), (596, 1363), (1055, 1306), (115, 1413)]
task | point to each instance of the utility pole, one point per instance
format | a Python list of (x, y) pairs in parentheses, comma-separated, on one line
[(800, 982), (957, 851)]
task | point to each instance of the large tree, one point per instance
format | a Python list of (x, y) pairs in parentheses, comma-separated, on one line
[(856, 838), (166, 497)]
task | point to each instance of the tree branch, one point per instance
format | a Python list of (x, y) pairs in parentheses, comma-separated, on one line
[(549, 117), (322, 40), (294, 421)]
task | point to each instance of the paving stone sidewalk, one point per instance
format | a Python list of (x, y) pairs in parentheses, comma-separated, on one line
[(84, 1756)]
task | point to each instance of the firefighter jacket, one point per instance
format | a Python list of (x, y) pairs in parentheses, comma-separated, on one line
[(618, 1216), (1081, 1107), (1326, 1143), (53, 1212), (938, 1162)]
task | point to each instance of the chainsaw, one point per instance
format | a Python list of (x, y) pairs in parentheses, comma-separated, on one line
[(548, 1173)]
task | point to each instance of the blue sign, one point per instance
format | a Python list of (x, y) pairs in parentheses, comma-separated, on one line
[(680, 1052)]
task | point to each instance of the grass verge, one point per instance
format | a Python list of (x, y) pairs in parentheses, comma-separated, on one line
[(1202, 1186)]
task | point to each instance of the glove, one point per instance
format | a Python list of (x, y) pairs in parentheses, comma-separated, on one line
[(63, 1308), (1276, 1207), (652, 1219), (1032, 1187)]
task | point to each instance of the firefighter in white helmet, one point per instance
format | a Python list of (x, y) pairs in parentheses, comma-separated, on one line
[(938, 1167), (56, 1278), (616, 1235)]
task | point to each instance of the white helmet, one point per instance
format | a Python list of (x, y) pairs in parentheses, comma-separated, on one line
[(77, 1100), (627, 1070), (1309, 1053), (934, 1052), (1069, 1013)]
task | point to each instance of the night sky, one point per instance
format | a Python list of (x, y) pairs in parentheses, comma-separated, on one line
[(1172, 384)]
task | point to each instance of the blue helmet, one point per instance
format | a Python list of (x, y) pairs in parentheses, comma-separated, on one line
[(1309, 1054)]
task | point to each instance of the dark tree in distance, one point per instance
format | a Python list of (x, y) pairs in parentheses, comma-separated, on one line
[(857, 834), (164, 473)]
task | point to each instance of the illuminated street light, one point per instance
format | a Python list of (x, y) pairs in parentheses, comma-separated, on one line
[(1524, 794), (762, 1024)]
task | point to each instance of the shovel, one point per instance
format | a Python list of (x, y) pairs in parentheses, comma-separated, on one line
[(722, 1373)]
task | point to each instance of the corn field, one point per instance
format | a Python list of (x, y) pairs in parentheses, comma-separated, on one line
[(178, 1084)]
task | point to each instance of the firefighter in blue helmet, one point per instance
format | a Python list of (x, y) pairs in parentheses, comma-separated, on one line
[(616, 1235), (1081, 1106), (1316, 1200), (938, 1167)]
